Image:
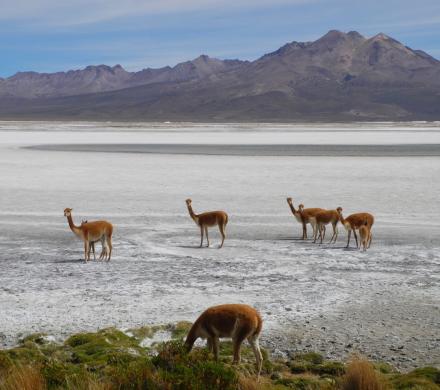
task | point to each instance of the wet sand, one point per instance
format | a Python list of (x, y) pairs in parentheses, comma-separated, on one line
[(397, 150)]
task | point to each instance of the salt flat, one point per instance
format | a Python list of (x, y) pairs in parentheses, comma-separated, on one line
[(383, 303)]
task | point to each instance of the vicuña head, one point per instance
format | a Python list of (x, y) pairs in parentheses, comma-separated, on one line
[(67, 212), (237, 321), (289, 200), (188, 202)]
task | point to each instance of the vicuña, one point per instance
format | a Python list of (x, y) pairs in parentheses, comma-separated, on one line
[(355, 221), (306, 217), (324, 218), (236, 321), (91, 232), (209, 219)]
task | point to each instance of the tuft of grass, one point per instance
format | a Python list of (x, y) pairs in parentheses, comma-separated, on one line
[(360, 375), (421, 378), (301, 383), (314, 363), (310, 357), (23, 378), (329, 368), (108, 346), (195, 370), (384, 368)]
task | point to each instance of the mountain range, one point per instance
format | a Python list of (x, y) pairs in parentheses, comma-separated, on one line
[(341, 76)]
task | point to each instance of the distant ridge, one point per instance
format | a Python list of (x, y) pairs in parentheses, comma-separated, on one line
[(340, 76)]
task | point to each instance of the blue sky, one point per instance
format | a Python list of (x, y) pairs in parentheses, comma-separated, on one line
[(54, 35)]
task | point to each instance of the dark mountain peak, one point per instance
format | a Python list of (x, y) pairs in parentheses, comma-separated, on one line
[(97, 68), (355, 35), (383, 39), (335, 39), (204, 58), (333, 36), (286, 49)]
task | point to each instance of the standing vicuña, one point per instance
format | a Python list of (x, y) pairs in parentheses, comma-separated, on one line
[(304, 217), (208, 219), (91, 232), (236, 321), (355, 221), (324, 218), (365, 235)]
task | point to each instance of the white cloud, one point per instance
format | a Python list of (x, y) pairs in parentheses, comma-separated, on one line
[(68, 12)]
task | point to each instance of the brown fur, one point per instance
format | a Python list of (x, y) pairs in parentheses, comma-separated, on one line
[(236, 321), (324, 218), (365, 236), (355, 221), (209, 219), (91, 232), (304, 217)]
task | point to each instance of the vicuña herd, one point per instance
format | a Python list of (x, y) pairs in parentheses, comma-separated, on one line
[(318, 218), (236, 321)]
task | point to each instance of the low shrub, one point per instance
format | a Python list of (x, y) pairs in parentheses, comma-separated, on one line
[(360, 375)]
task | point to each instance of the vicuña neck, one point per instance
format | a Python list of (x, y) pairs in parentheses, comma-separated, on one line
[(292, 208), (76, 229), (192, 214), (192, 336)]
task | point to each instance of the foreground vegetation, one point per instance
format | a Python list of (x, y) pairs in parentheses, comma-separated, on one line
[(111, 359)]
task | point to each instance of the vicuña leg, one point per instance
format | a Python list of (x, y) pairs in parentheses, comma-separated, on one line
[(86, 250), (201, 236), (304, 237), (215, 346), (348, 240), (253, 341), (335, 234), (356, 238), (92, 249), (103, 254), (321, 232), (207, 237), (222, 232), (317, 230), (209, 344), (110, 247), (238, 339)]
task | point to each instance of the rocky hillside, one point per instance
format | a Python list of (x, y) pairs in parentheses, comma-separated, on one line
[(341, 76)]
